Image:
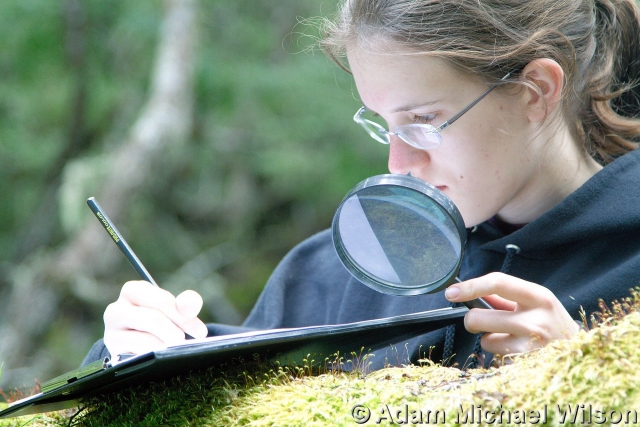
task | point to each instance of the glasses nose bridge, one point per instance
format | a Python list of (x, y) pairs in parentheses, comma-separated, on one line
[(383, 132), (387, 133)]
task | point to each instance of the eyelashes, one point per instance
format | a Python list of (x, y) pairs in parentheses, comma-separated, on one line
[(425, 119)]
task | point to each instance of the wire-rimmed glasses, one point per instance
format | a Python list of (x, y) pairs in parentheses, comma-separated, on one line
[(418, 135)]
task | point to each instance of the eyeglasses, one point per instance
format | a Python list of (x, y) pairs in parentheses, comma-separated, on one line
[(421, 136)]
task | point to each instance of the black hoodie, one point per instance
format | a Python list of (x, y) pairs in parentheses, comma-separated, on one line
[(585, 248)]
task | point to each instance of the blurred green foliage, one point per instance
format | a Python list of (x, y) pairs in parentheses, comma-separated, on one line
[(272, 152)]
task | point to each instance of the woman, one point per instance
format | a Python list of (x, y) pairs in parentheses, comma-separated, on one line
[(516, 110)]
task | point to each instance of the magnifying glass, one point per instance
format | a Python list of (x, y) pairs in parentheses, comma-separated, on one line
[(401, 236)]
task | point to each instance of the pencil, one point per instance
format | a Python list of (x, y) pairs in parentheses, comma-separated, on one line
[(120, 242)]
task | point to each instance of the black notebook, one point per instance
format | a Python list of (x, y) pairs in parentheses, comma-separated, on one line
[(288, 346)]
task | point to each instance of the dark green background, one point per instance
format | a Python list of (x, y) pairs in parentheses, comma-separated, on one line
[(272, 152)]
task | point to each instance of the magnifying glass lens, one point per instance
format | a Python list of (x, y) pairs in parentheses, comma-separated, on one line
[(397, 239)]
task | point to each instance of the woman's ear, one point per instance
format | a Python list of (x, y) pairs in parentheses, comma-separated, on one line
[(546, 80)]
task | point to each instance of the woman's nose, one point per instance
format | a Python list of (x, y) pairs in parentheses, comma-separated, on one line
[(403, 158)]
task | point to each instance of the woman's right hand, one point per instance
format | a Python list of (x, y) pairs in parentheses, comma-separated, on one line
[(147, 318)]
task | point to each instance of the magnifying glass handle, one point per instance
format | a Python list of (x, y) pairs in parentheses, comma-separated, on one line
[(476, 303)]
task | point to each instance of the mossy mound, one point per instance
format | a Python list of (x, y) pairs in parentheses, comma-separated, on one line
[(589, 379), (597, 369)]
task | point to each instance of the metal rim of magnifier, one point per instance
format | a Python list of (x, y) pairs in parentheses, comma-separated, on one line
[(424, 188)]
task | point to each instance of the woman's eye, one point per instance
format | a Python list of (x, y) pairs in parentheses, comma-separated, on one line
[(424, 119)]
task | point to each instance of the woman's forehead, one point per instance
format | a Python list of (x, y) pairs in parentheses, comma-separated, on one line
[(399, 82)]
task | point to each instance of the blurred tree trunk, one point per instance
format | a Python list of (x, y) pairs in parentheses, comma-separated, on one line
[(164, 122), (37, 286)]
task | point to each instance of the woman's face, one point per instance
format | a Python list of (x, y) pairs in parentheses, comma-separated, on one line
[(487, 163)]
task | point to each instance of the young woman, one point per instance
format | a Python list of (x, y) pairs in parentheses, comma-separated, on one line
[(523, 113)]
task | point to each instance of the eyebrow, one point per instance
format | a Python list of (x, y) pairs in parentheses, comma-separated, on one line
[(410, 107), (407, 107)]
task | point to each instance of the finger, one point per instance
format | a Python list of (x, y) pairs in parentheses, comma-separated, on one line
[(196, 328), (144, 294), (121, 342), (478, 320), (499, 303), (503, 344), (124, 317), (526, 294), (189, 303)]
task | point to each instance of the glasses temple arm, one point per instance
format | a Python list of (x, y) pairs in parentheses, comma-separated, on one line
[(468, 107)]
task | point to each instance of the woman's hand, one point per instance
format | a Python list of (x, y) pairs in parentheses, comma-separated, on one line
[(526, 315), (146, 318)]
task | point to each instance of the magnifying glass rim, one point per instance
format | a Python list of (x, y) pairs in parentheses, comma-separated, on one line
[(405, 181)]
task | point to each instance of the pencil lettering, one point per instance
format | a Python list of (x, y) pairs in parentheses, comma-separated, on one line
[(112, 233)]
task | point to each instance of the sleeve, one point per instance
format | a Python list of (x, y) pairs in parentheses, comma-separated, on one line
[(97, 352), (307, 288)]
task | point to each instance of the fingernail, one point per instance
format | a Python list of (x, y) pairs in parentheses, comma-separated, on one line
[(452, 292)]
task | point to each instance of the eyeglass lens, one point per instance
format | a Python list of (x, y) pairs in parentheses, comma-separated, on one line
[(376, 131), (419, 136)]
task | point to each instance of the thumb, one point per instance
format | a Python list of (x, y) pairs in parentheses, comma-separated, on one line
[(189, 304)]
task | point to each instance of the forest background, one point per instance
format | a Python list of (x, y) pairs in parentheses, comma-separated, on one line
[(208, 131)]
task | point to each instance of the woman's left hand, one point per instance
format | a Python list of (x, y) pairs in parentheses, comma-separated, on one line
[(526, 315)]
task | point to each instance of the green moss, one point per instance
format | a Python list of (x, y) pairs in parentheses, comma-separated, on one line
[(56, 419), (193, 400), (597, 369)]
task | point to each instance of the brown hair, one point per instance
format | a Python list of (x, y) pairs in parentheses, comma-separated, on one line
[(597, 43)]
